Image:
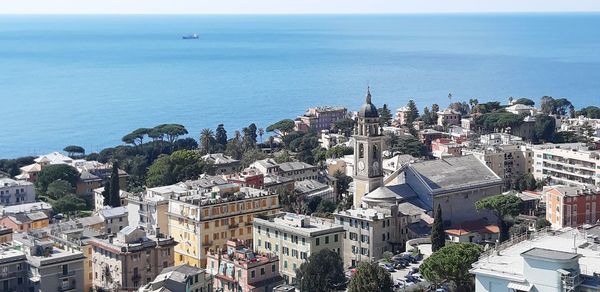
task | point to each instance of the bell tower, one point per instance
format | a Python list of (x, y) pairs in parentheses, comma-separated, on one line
[(368, 139)]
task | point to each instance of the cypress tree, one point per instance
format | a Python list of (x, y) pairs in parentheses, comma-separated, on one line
[(114, 198), (438, 237)]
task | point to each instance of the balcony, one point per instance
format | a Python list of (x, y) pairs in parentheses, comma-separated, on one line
[(67, 274)]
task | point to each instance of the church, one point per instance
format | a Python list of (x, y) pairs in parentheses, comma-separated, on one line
[(384, 208)]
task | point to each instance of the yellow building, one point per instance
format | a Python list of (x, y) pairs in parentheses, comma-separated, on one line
[(200, 222)]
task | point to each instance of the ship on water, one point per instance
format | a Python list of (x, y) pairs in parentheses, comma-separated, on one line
[(190, 37)]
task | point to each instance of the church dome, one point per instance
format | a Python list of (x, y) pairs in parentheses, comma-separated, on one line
[(379, 196), (368, 110)]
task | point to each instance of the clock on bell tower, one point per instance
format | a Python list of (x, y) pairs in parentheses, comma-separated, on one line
[(368, 139)]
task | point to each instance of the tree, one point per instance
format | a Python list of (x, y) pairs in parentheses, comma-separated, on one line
[(323, 272), (385, 116), (207, 140), (504, 207), (172, 131), (344, 126), (343, 182), (68, 204), (473, 102), (461, 107), (413, 112), (282, 127), (435, 108), (547, 105), (452, 263), (590, 112), (438, 236), (160, 172), (339, 151), (74, 149), (114, 186), (426, 117), (221, 136), (544, 128), (55, 172), (541, 223), (370, 277), (261, 132), (526, 183), (59, 188), (525, 101), (406, 145), (251, 156), (562, 106)]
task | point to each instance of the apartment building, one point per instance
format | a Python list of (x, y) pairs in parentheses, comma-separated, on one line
[(203, 221), (49, 267), (13, 192), (221, 164), (368, 233), (293, 238), (115, 219), (99, 198), (448, 117), (23, 222), (566, 164), (319, 118), (572, 206), (130, 259), (550, 262), (148, 211), (508, 161), (238, 268), (13, 270)]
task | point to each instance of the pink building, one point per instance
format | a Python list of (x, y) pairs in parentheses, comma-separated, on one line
[(319, 118), (444, 147), (240, 269)]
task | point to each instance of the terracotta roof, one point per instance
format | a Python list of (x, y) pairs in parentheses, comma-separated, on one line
[(476, 226)]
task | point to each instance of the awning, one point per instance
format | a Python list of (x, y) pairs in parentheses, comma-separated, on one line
[(516, 286)]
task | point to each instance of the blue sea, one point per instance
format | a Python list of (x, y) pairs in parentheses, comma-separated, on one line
[(88, 80)]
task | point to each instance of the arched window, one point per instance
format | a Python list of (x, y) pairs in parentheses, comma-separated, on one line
[(361, 151), (375, 152)]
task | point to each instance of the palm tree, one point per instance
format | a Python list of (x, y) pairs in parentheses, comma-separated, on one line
[(207, 137), (261, 131)]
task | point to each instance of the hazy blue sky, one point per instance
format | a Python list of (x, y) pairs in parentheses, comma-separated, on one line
[(294, 6)]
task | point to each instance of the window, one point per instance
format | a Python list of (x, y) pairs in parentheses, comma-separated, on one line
[(65, 269), (273, 268), (327, 239), (317, 241), (262, 271), (253, 274)]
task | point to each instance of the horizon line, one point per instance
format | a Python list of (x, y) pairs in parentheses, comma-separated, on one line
[(297, 13)]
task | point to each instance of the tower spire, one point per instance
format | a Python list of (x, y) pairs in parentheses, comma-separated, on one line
[(368, 99)]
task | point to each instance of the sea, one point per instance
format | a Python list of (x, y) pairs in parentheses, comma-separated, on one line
[(90, 79)]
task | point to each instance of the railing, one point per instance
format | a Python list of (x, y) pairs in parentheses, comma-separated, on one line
[(67, 274), (514, 240)]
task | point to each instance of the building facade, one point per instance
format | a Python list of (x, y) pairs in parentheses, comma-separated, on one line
[(566, 164), (238, 268), (571, 206), (319, 118), (13, 192), (201, 222), (130, 259), (293, 238)]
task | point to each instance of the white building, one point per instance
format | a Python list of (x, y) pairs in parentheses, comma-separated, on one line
[(149, 211), (14, 192), (567, 261), (293, 238), (567, 164), (519, 109), (115, 219)]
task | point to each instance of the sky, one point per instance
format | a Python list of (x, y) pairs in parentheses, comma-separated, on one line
[(290, 6)]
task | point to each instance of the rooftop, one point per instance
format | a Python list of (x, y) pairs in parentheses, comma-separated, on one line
[(549, 254), (309, 185), (454, 172), (219, 158), (508, 262), (295, 165), (364, 213), (7, 182), (113, 212), (301, 224)]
